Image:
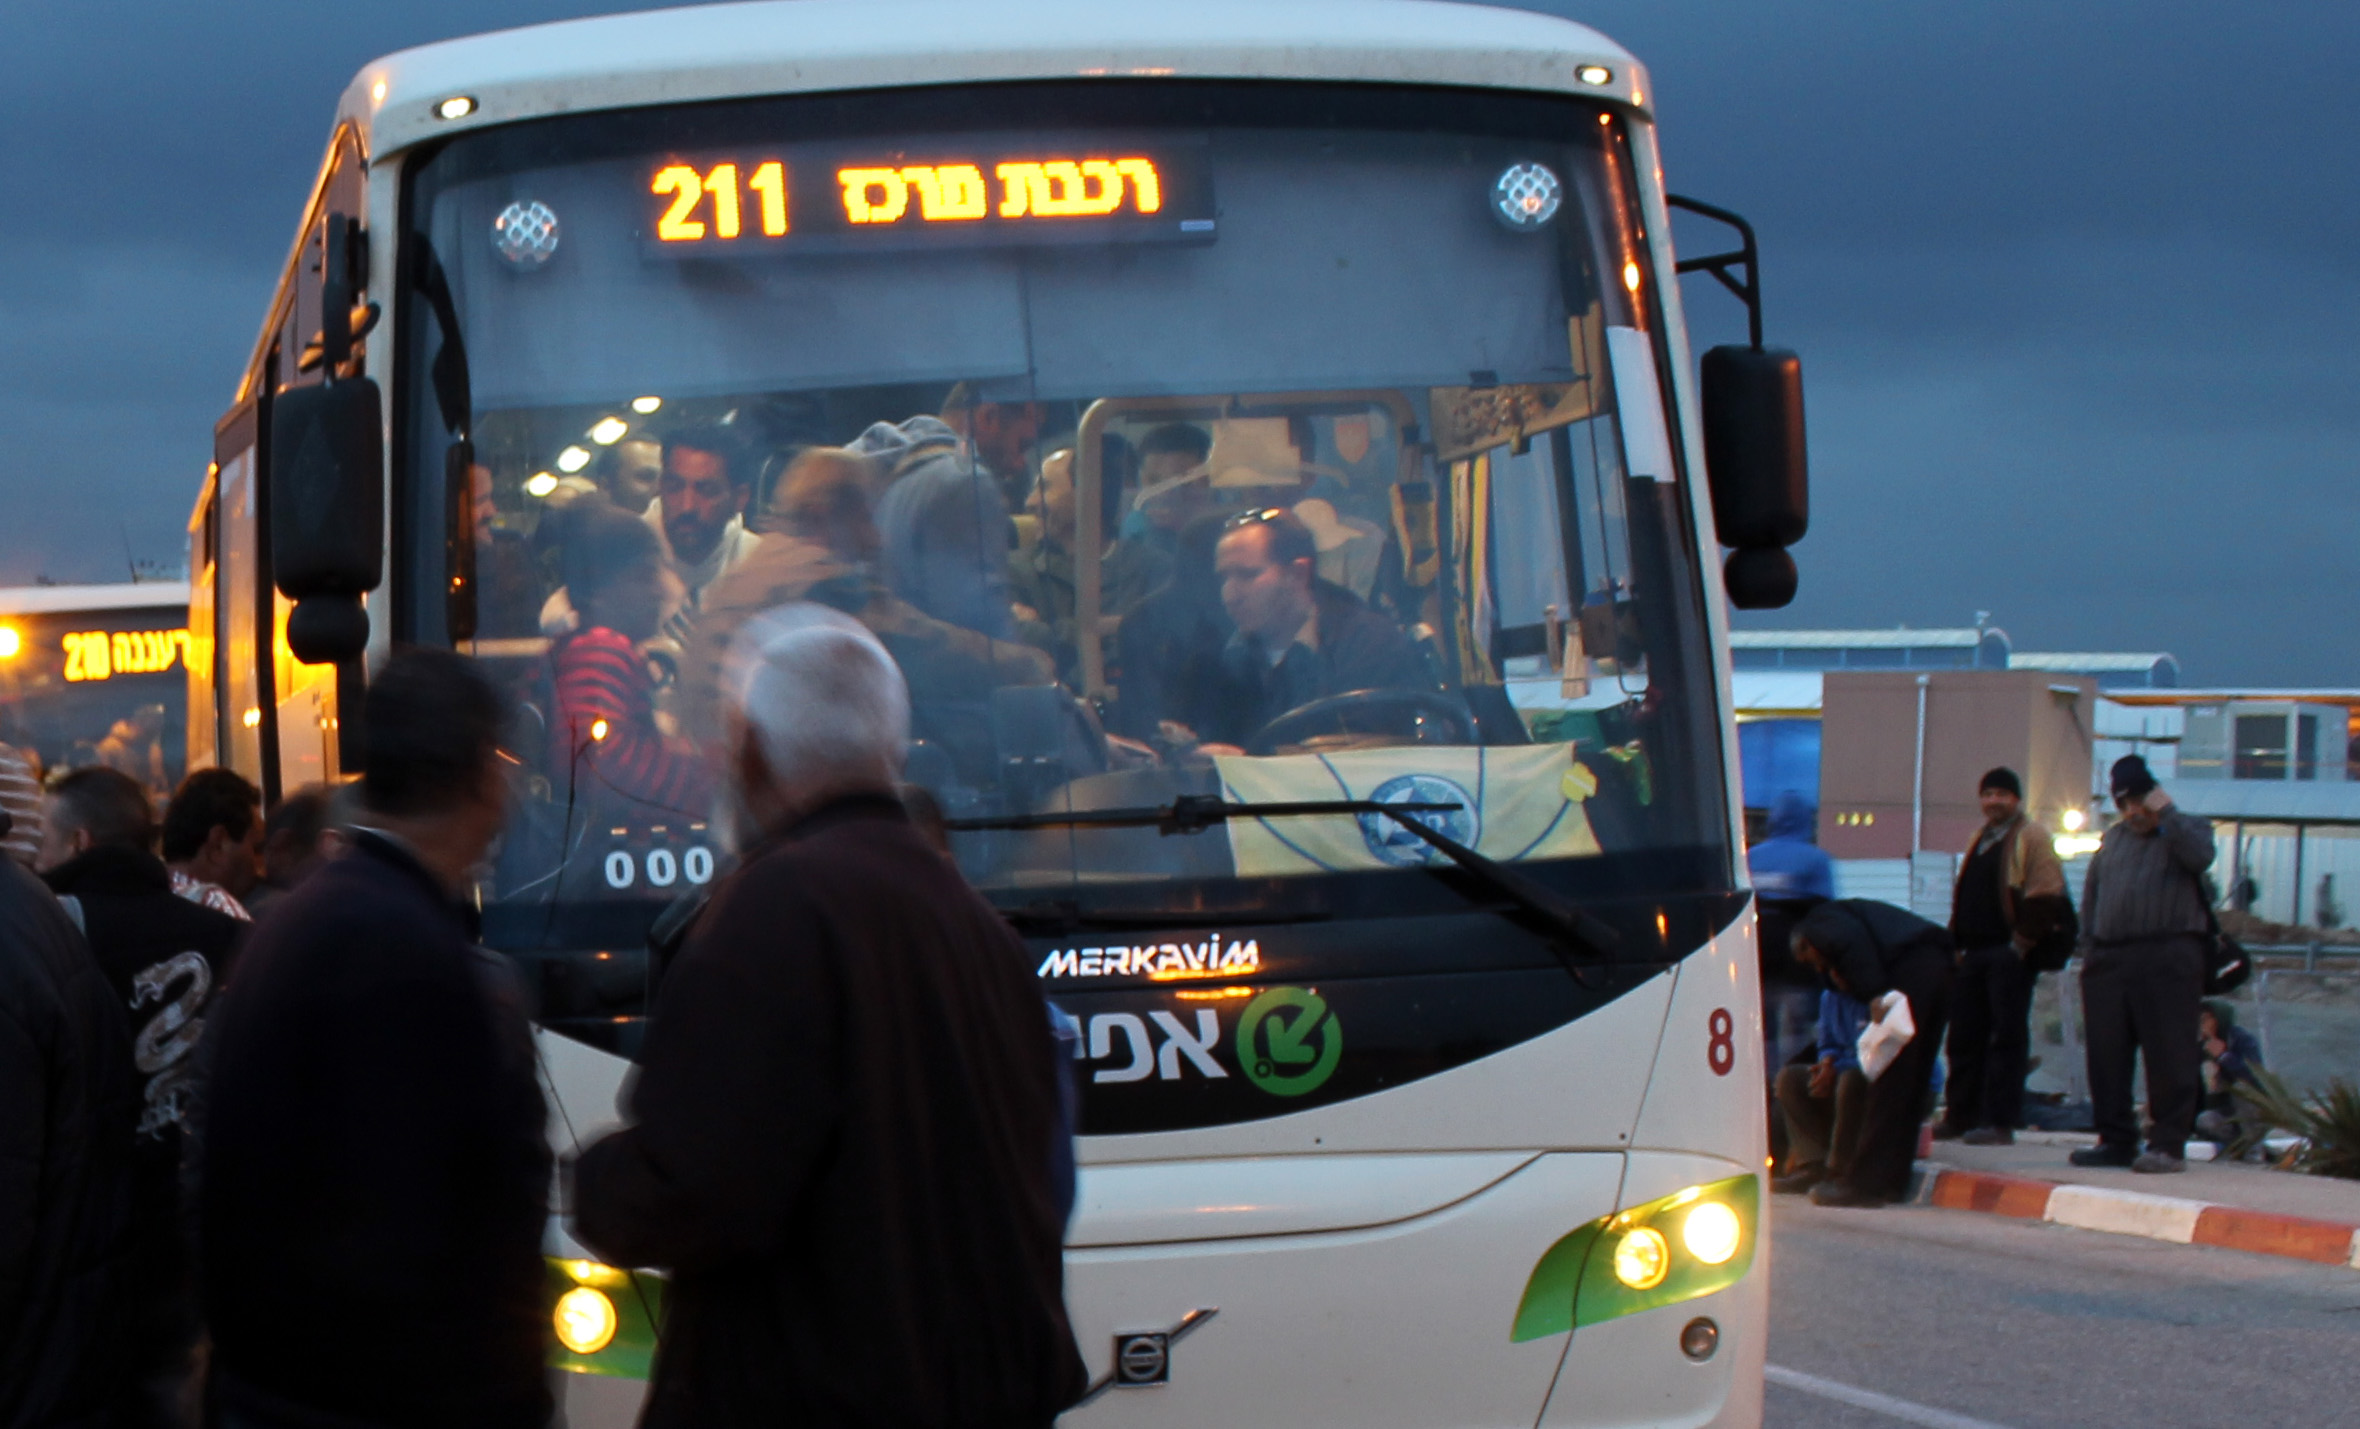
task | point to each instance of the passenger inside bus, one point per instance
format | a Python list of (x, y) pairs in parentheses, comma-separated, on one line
[(945, 517), (1041, 572), (1173, 491), (701, 503), (630, 473), (605, 694), (1168, 664), (1299, 638)]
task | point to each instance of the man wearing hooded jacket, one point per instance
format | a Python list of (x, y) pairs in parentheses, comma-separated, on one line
[(1871, 950)]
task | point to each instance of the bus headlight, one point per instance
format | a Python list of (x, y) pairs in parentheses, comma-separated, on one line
[(1711, 1232), (1632, 1260), (1642, 1258), (585, 1320)]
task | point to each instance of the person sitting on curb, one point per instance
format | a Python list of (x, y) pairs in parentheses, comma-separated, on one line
[(1822, 1102), (1868, 950), (2231, 1056)]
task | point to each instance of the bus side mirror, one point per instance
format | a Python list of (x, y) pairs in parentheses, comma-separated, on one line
[(327, 513), (1757, 468)]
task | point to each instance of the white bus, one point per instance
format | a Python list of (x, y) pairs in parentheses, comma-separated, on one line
[(1403, 911)]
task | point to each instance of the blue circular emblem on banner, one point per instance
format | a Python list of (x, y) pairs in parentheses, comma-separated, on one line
[(1392, 844)]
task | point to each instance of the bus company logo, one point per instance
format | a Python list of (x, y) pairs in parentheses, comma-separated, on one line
[(1396, 846), (1289, 1042), (1165, 962)]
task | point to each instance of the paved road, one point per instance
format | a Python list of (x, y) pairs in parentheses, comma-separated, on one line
[(1964, 1321)]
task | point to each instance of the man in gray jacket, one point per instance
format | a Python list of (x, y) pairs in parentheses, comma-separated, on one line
[(2145, 910)]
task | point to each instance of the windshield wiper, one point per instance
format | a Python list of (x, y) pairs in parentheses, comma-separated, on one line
[(1574, 928)]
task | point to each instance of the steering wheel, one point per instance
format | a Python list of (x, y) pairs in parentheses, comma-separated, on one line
[(1343, 714)]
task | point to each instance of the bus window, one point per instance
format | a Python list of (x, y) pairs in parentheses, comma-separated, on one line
[(1287, 469)]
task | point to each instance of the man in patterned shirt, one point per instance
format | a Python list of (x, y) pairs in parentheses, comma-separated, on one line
[(212, 837)]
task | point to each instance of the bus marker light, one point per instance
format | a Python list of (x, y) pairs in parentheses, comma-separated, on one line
[(1700, 1338), (1711, 1232), (11, 643), (585, 1320), (458, 106), (1594, 74), (1642, 1258)]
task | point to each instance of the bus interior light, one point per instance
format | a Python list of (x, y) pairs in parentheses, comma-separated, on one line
[(1711, 1232), (645, 406), (1642, 1258), (540, 483), (609, 431), (585, 1320), (458, 106), (573, 459)]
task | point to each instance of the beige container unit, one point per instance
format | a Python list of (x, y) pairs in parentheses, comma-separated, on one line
[(1871, 797)]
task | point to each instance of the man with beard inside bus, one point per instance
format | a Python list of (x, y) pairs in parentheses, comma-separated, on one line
[(945, 519), (844, 1122), (606, 713)]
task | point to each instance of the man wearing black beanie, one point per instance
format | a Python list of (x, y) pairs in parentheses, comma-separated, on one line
[(2010, 895), (2145, 913)]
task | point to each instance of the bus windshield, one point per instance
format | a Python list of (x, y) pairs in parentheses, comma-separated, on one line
[(1266, 442)]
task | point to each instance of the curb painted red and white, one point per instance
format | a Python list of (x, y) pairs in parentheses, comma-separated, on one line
[(2165, 1218)]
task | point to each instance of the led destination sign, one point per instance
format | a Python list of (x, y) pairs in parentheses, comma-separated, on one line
[(849, 201)]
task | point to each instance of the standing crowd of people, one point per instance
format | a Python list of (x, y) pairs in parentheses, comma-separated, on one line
[(242, 1154), (1835, 968)]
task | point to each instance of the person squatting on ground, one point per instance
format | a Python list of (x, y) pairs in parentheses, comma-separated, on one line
[(2144, 923), (374, 1157), (2010, 895), (845, 1120), (1866, 950), (1823, 1102), (68, 1101), (2230, 1057), (167, 958)]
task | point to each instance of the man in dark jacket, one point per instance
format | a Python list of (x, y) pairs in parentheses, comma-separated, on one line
[(1299, 638), (166, 959), (1870, 951), (845, 1113), (2145, 916), (66, 1109), (2010, 895), (375, 1164)]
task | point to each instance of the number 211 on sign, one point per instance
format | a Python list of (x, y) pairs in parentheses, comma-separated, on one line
[(689, 190)]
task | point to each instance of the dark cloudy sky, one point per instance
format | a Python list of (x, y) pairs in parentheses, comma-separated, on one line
[(2077, 287)]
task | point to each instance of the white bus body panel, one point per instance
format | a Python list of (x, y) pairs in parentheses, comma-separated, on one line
[(1366, 1259), (712, 52)]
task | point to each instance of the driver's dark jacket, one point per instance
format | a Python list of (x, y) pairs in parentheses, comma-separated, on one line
[(1358, 649)]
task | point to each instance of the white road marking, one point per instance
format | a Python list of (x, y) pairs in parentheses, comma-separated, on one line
[(1872, 1401)]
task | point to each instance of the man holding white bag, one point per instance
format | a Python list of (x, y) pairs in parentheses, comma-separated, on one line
[(1901, 965)]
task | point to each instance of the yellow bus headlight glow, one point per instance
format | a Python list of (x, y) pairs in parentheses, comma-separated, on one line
[(585, 1320), (1642, 1258), (1711, 1232)]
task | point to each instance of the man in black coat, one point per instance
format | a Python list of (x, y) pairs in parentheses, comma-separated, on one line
[(66, 1109), (1869, 950), (167, 960), (375, 1165), (845, 1114)]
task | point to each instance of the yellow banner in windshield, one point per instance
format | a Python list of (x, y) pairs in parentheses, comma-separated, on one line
[(1515, 802)]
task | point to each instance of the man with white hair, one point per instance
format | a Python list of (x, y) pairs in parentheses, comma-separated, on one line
[(846, 1114)]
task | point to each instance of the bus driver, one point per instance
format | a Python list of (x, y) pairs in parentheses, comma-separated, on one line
[(1299, 638)]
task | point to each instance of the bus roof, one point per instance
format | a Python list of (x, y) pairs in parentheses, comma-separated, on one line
[(712, 52)]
